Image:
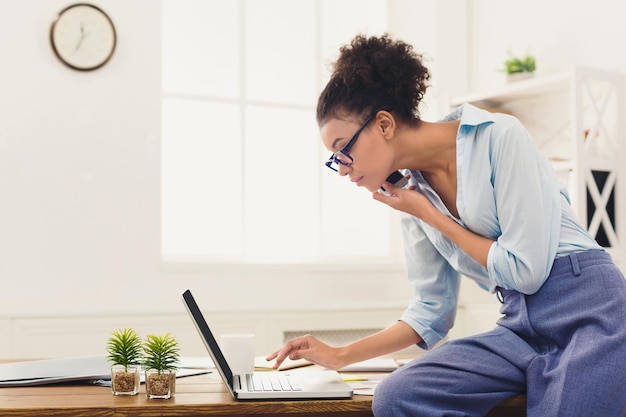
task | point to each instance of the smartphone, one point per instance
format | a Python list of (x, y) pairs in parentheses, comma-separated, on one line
[(397, 179)]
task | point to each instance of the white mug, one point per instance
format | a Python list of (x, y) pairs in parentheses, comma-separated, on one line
[(238, 349)]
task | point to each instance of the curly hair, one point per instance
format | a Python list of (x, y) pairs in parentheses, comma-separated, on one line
[(372, 73)]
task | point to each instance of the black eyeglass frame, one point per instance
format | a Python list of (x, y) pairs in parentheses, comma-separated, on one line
[(334, 160)]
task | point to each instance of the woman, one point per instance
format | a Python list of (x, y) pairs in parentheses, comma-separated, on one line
[(483, 203)]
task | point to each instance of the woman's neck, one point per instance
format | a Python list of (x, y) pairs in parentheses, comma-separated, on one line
[(429, 147)]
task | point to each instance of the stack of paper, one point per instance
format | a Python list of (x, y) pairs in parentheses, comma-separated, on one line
[(89, 368), (92, 369), (382, 364)]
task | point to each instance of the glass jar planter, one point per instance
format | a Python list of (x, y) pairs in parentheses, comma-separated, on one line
[(125, 379), (160, 384)]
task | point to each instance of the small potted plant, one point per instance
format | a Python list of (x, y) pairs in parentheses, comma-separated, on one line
[(124, 352), (519, 68), (160, 360)]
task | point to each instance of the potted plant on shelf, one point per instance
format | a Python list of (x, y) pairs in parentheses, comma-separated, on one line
[(519, 68), (160, 360), (124, 352)]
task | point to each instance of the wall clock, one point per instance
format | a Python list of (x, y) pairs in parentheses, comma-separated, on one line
[(83, 37)]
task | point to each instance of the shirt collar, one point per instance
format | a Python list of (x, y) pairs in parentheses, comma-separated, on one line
[(469, 115)]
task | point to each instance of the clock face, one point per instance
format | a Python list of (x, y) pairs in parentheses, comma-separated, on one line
[(83, 37)]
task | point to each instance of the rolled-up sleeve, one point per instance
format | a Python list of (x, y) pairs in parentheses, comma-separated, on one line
[(432, 310), (528, 209)]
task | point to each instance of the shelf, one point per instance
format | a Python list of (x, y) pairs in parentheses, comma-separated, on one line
[(518, 90), (562, 165)]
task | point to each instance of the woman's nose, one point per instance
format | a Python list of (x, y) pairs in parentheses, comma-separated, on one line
[(343, 170)]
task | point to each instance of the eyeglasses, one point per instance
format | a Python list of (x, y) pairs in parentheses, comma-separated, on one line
[(342, 157)]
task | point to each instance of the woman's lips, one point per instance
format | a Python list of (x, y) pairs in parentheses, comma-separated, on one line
[(357, 180)]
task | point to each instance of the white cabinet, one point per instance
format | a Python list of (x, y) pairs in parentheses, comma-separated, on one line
[(577, 119)]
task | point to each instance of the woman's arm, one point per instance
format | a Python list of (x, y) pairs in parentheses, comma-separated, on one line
[(395, 337)]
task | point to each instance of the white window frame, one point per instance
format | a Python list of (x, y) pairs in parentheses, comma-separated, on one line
[(391, 262)]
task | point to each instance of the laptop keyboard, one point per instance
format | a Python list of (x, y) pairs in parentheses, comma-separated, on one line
[(272, 381)]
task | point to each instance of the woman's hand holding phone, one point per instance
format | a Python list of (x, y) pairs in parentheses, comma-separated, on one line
[(397, 179), (405, 199)]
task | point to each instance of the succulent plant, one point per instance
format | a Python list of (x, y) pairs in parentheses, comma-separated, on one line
[(160, 352), (124, 348), (514, 65)]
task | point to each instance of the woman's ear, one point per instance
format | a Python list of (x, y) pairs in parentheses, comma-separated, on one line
[(386, 123)]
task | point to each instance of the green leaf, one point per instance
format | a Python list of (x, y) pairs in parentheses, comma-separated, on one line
[(514, 64), (124, 348), (160, 352)]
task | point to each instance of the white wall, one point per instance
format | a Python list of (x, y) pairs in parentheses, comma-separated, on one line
[(469, 39), (559, 33), (79, 155), (80, 164)]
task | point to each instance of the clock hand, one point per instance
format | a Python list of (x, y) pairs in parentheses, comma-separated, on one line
[(82, 37)]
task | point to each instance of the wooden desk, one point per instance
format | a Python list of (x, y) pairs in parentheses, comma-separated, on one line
[(201, 395)]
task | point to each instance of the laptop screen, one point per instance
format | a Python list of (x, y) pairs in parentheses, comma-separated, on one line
[(209, 340)]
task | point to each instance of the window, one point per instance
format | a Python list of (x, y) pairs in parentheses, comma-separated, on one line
[(243, 180)]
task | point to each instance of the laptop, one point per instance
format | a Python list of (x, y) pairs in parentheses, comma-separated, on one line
[(322, 384)]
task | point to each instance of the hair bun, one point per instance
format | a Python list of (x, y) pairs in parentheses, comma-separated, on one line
[(374, 72)]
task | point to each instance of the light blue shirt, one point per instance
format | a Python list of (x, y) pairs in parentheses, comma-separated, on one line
[(507, 191)]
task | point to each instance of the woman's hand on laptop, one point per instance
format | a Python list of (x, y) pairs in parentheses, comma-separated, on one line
[(395, 337), (312, 349)]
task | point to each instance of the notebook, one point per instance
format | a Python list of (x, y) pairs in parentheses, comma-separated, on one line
[(322, 384), (86, 369), (49, 371)]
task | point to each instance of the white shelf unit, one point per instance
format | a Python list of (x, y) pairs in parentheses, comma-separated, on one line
[(577, 119)]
